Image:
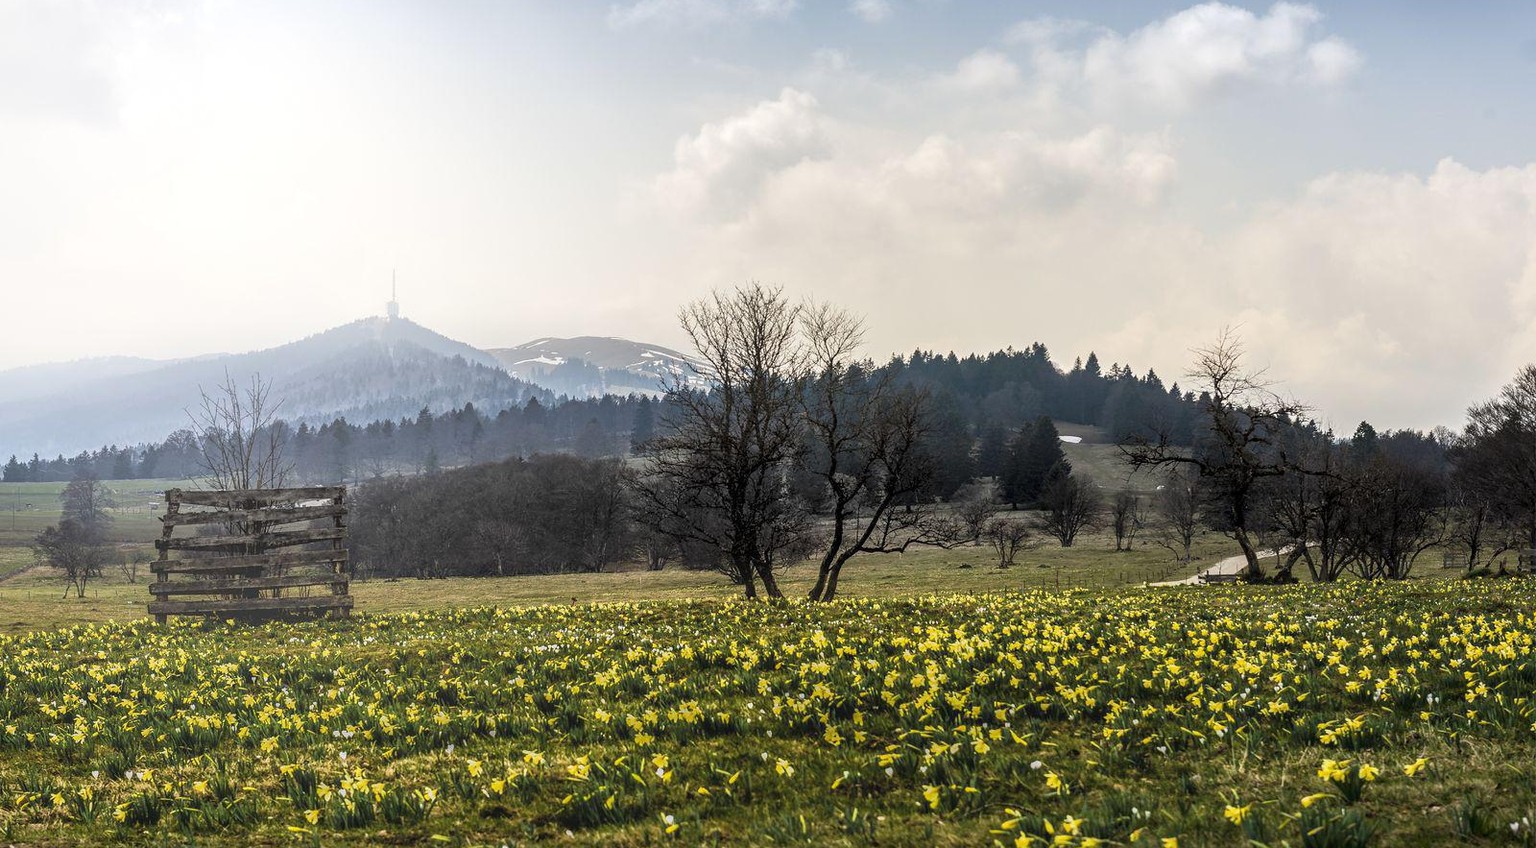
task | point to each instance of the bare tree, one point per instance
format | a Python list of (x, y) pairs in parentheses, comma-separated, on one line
[(74, 550), (716, 474), (1072, 504), (86, 500), (1398, 515), (974, 504), (1007, 536), (241, 437), (1477, 526), (1236, 449), (1495, 458), (1125, 518), (1309, 511), (865, 444), (1177, 506)]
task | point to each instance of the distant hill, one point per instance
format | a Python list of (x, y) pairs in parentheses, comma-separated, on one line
[(369, 369), (590, 366)]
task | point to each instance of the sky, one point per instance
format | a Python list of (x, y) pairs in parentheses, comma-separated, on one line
[(1350, 186)]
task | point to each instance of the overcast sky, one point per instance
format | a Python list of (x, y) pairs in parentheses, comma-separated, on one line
[(1352, 185)]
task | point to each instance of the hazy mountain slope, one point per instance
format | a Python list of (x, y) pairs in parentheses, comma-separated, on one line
[(369, 369), (587, 366), (19, 384)]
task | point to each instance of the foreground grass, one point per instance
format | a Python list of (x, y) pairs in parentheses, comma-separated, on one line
[(1361, 714), (33, 601)]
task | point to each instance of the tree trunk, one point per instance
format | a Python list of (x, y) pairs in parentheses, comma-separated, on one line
[(1254, 571), (831, 590), (823, 575), (770, 585)]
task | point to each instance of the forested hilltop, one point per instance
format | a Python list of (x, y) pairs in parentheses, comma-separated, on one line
[(983, 403)]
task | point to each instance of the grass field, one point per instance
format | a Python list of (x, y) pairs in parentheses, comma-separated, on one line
[(1350, 715), (33, 601), (943, 701), (26, 508)]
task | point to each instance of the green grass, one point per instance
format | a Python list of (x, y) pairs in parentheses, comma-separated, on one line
[(27, 508), (1125, 715), (1100, 458), (33, 601)]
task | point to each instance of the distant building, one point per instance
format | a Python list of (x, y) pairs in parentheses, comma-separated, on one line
[(392, 309)]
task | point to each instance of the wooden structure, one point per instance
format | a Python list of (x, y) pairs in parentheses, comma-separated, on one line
[(1526, 564), (248, 559), (1453, 559)]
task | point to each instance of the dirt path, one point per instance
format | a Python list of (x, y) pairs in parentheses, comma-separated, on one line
[(1230, 565)]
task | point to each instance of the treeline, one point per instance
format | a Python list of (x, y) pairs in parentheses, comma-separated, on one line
[(342, 450), (544, 514), (985, 404), (1007, 388)]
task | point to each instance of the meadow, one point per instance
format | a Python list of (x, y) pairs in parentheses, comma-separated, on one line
[(30, 597), (1386, 714)]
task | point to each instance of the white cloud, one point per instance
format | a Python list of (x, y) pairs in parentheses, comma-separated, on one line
[(1200, 52), (872, 11), (1394, 289), (696, 13), (984, 70), (1394, 297), (719, 169)]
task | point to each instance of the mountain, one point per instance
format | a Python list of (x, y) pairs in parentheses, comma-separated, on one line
[(369, 369), (590, 366)]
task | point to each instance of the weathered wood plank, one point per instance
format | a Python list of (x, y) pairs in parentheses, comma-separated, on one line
[(248, 498), (208, 565), (263, 540), (207, 607), (269, 515), (240, 584)]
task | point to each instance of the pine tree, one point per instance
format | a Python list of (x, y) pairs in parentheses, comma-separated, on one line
[(1042, 460)]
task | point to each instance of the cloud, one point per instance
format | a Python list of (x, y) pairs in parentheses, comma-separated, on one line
[(984, 70), (1195, 54), (871, 11), (696, 13), (718, 170), (1394, 292), (1395, 297)]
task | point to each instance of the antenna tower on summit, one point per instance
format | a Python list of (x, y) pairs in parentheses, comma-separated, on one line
[(392, 309)]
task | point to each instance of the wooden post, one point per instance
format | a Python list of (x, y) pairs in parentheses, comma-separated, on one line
[(172, 508)]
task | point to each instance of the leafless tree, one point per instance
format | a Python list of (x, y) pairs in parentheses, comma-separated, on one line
[(1125, 518), (716, 474), (74, 550), (865, 444), (975, 504), (242, 439), (1007, 536), (1495, 457), (86, 500), (1072, 504), (1398, 515), (1236, 448), (1177, 507), (1478, 527), (1308, 511)]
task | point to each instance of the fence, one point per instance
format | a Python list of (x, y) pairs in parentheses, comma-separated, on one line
[(240, 569)]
